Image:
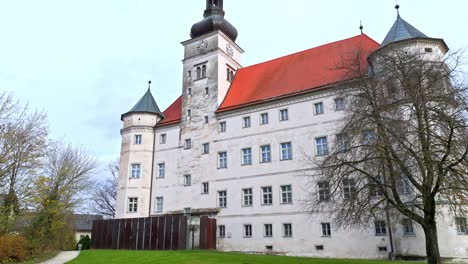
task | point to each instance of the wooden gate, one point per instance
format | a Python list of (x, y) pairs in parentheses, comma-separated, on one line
[(207, 233)]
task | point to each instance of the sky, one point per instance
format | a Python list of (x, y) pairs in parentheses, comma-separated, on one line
[(85, 62)]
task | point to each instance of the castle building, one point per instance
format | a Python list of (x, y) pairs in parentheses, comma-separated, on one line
[(233, 146)]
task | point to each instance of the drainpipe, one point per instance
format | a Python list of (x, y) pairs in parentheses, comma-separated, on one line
[(152, 170), (391, 254)]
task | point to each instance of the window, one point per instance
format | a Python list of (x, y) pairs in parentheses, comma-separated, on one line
[(319, 247), (247, 230), (349, 189), (321, 146), (342, 142), (461, 225), (206, 119), (339, 104), (382, 249), (188, 143), (229, 74), (207, 90), (407, 226), (246, 122), (189, 74), (376, 189), (222, 199), (268, 228), (189, 113), (318, 108), (132, 205), (380, 228), (368, 136), (161, 170), (428, 50), (267, 195), (189, 91), (221, 231), (284, 115), (265, 152), (206, 148), (222, 160), (324, 191), (137, 139), (162, 139), (286, 151), (205, 188), (247, 197), (187, 211), (404, 186), (247, 156), (222, 126), (264, 119), (326, 229), (136, 170), (203, 71), (198, 73), (286, 194), (187, 180), (159, 205), (287, 230)]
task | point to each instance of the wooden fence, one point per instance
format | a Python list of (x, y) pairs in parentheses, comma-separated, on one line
[(151, 233)]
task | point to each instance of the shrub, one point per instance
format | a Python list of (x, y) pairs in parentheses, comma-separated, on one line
[(13, 247), (85, 242)]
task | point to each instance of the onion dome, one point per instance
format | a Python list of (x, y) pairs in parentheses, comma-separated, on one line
[(213, 20)]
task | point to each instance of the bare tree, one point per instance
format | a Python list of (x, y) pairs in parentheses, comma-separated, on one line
[(105, 193), (401, 149)]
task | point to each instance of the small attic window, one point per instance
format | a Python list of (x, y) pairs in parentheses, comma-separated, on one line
[(428, 50), (319, 247)]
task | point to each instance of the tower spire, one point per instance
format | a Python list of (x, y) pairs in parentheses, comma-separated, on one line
[(360, 26), (397, 7), (149, 85)]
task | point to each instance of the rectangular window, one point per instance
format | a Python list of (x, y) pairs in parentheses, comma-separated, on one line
[(205, 188), (286, 194), (267, 195), (264, 119), (132, 205), (368, 136), (222, 199), (161, 170), (287, 230), (286, 151), (323, 190), (380, 228), (162, 139), (247, 156), (222, 126), (247, 230), (268, 230), (137, 139), (189, 91), (321, 146), (222, 160), (207, 90), (461, 225), (222, 231), (136, 171), (404, 186), (284, 115), (188, 143), (247, 197), (349, 188), (187, 180), (189, 112), (407, 226), (342, 142), (206, 148), (206, 120), (246, 122), (318, 108), (339, 104), (189, 74), (376, 189), (265, 152), (159, 204), (326, 229)]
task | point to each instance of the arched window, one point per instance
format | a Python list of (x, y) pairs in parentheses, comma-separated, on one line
[(204, 71), (198, 73), (228, 74)]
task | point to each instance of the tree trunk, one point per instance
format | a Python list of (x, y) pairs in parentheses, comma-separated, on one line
[(432, 243)]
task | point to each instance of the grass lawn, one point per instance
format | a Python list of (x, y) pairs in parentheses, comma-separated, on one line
[(204, 257)]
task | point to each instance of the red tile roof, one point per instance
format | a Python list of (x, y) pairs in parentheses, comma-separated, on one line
[(172, 113), (289, 75), (296, 73)]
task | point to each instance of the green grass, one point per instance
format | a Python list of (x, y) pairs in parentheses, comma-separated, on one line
[(205, 257)]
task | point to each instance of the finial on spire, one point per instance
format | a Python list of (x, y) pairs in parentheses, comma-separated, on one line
[(149, 84), (360, 26), (397, 7)]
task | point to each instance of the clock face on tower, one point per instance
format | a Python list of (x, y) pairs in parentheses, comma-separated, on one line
[(229, 50), (202, 45)]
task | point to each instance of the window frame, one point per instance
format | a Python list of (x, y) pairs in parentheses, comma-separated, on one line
[(461, 223), (187, 180), (380, 228), (205, 148), (138, 139), (324, 190), (326, 229), (342, 105), (243, 155), (289, 151), (224, 197), (283, 117), (188, 143), (247, 227), (132, 169), (222, 162), (349, 190), (289, 194), (132, 206), (319, 106), (159, 204), (223, 229), (270, 196), (203, 191), (161, 168), (162, 138), (408, 227), (286, 234), (267, 152), (324, 146), (246, 122), (247, 195), (265, 229), (222, 127), (264, 121)]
